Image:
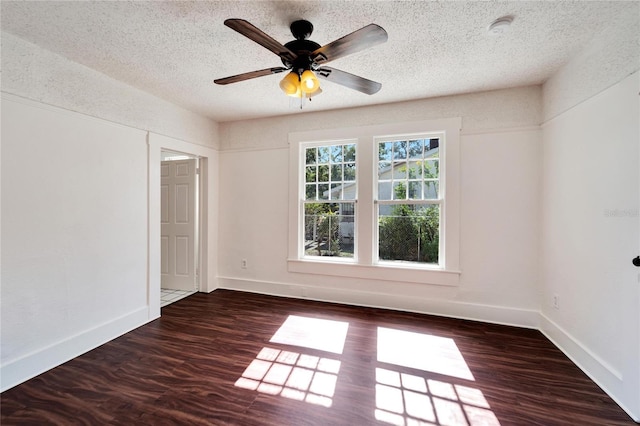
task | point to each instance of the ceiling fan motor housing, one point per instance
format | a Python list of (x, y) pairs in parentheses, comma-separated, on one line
[(301, 46)]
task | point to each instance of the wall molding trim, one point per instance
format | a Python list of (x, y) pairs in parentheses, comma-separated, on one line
[(8, 96), (24, 368), (469, 311), (516, 129)]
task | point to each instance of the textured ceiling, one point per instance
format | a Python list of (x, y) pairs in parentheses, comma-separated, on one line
[(175, 50)]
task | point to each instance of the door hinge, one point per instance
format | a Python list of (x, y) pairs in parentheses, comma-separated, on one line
[(197, 170)]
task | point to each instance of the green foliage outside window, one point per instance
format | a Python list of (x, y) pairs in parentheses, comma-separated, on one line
[(410, 232)]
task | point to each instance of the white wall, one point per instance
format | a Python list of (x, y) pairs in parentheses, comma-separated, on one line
[(591, 233), (484, 111), (74, 234), (500, 193), (38, 74), (590, 201), (80, 208)]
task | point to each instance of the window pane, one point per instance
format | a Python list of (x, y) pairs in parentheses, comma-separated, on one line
[(431, 169), (400, 150), (409, 233), (311, 155), (384, 170), (336, 154), (431, 144), (414, 170), (336, 172), (415, 149), (350, 172), (323, 154), (329, 229), (349, 192), (323, 173), (311, 192), (431, 189), (399, 191), (336, 191), (415, 190), (323, 191), (385, 151), (384, 190), (400, 170), (310, 175), (350, 153)]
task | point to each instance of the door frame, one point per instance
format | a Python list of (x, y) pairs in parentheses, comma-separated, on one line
[(207, 235)]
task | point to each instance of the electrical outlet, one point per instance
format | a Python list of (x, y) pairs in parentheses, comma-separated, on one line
[(556, 301), (243, 263)]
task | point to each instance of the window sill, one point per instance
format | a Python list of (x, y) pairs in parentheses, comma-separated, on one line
[(382, 272)]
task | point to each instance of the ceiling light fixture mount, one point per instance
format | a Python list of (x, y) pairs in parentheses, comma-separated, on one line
[(500, 25)]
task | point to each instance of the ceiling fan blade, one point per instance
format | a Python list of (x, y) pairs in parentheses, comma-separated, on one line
[(249, 75), (351, 81), (252, 32), (365, 37)]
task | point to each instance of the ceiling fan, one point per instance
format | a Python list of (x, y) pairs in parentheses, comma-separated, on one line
[(305, 59)]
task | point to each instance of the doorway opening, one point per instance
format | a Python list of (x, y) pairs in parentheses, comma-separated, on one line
[(180, 226)]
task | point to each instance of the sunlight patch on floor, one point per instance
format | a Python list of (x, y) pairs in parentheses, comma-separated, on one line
[(425, 398), (313, 333), (405, 399), (423, 352), (292, 375)]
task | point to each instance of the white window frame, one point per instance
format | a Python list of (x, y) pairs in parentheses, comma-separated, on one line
[(302, 200), (364, 264)]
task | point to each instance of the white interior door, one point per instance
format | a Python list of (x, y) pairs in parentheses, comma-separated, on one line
[(178, 232)]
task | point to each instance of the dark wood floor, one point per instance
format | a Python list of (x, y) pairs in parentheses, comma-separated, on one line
[(225, 358)]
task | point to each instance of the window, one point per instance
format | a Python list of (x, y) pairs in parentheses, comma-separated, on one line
[(329, 176), (409, 199), (376, 202)]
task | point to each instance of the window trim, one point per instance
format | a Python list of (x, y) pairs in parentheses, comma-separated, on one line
[(364, 264)]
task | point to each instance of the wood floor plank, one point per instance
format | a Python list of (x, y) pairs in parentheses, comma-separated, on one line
[(211, 359)]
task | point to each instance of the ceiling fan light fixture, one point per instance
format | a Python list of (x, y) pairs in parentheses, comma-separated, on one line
[(302, 94), (302, 57), (290, 84), (309, 83)]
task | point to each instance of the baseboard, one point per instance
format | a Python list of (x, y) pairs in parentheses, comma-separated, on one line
[(604, 375), (446, 308), (22, 369)]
